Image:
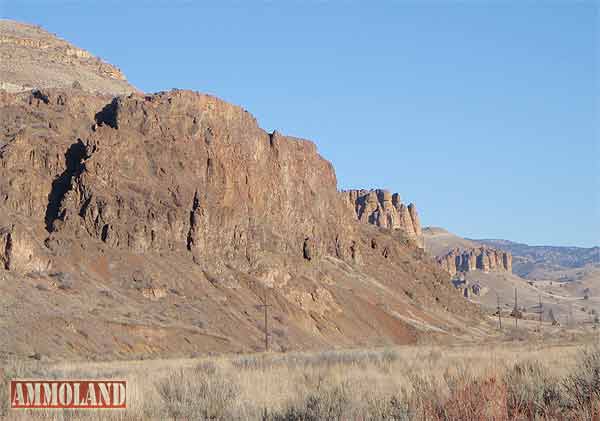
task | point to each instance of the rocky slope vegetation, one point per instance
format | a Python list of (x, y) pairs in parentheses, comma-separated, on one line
[(32, 58), (386, 210), (159, 224)]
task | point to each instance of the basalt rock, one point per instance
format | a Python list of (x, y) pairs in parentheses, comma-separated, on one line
[(484, 258), (19, 250), (215, 211), (172, 171), (386, 210), (174, 218)]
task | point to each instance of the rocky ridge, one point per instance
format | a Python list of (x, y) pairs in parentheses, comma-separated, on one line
[(178, 213), (157, 225), (485, 259), (386, 210), (549, 262)]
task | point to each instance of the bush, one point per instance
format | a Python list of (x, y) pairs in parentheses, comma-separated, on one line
[(476, 399), (326, 403), (194, 394), (531, 391), (382, 408), (4, 379), (583, 385)]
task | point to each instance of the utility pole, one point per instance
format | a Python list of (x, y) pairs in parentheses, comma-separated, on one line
[(499, 311), (516, 310), (571, 321), (266, 306), (541, 312)]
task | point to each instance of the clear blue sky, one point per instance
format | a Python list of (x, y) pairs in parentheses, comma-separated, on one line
[(484, 113)]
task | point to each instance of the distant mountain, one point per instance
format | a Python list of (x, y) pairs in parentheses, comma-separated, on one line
[(559, 276), (530, 262), (548, 262)]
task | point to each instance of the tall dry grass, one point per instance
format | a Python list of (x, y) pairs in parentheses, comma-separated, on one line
[(525, 382)]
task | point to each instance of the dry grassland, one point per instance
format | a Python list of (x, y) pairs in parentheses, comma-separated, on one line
[(509, 381)]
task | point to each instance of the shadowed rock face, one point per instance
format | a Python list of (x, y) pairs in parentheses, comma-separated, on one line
[(181, 209), (483, 258), (386, 210)]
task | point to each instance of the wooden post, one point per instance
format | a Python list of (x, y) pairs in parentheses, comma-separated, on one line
[(516, 310), (266, 306), (571, 321), (499, 311), (541, 312)]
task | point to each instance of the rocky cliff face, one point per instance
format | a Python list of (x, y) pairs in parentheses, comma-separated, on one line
[(483, 258), (30, 57), (175, 171), (168, 217), (386, 210)]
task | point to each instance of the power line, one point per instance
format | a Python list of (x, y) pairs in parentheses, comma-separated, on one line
[(265, 305)]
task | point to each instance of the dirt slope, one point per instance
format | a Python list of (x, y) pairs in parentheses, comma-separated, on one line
[(438, 241)]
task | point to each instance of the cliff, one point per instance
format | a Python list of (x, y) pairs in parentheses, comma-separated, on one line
[(483, 258), (386, 210), (156, 224)]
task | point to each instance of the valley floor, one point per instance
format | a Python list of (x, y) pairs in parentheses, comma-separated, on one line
[(504, 380)]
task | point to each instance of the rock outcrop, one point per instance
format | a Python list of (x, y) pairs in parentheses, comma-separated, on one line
[(386, 210), (157, 225), (32, 58), (483, 258), (146, 203)]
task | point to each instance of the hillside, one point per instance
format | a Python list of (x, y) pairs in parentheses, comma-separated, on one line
[(146, 225), (438, 241), (31, 57), (549, 274)]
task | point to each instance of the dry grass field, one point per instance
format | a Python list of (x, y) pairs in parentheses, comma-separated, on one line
[(502, 381)]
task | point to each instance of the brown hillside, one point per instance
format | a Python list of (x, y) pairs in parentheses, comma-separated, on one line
[(153, 225)]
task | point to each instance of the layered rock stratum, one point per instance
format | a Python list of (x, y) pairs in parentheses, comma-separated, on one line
[(32, 58), (158, 224)]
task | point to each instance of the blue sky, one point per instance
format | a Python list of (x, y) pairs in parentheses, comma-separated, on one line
[(484, 113)]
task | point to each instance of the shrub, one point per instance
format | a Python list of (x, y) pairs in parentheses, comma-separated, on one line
[(326, 403), (194, 394), (583, 384), (3, 393), (531, 391), (425, 397), (391, 408), (476, 399)]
